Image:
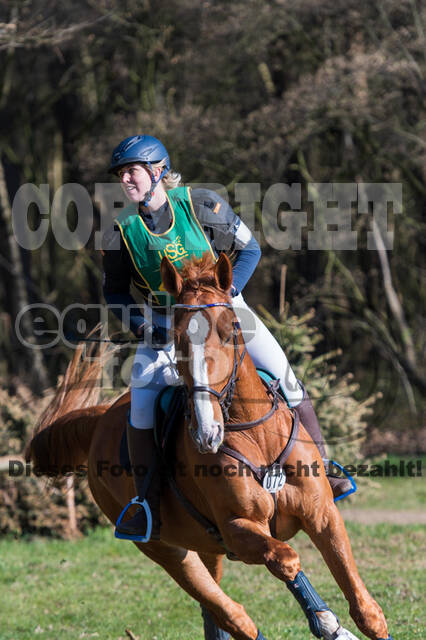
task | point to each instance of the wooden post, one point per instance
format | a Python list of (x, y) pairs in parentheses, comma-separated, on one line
[(72, 517), (4, 461)]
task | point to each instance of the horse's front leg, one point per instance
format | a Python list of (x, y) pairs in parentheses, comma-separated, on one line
[(187, 569), (252, 543), (329, 535)]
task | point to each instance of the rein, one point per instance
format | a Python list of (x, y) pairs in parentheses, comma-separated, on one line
[(226, 395)]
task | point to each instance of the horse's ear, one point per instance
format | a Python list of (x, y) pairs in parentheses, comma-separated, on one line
[(172, 281), (223, 271)]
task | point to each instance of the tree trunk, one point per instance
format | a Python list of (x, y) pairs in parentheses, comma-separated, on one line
[(37, 370)]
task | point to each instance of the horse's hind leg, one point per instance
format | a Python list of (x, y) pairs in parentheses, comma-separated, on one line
[(332, 540), (187, 569), (214, 564)]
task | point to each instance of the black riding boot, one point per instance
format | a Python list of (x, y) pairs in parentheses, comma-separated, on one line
[(309, 420), (143, 458)]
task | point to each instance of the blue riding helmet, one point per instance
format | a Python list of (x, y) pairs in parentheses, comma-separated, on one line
[(146, 149)]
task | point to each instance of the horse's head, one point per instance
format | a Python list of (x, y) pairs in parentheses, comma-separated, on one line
[(206, 342)]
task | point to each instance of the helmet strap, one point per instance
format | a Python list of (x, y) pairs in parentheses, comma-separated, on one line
[(154, 183)]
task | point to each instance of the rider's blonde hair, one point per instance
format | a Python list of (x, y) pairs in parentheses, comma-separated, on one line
[(172, 179)]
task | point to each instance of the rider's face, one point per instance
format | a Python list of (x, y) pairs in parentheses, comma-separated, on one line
[(135, 180)]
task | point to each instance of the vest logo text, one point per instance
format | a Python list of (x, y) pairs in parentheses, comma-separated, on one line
[(174, 250)]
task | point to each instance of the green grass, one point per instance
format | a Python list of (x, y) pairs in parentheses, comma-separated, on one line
[(99, 586)]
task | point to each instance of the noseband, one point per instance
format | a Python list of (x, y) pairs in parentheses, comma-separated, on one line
[(225, 396)]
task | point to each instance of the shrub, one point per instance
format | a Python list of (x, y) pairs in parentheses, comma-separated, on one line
[(28, 504), (341, 415)]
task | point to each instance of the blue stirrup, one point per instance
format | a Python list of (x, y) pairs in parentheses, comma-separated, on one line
[(136, 538), (349, 477)]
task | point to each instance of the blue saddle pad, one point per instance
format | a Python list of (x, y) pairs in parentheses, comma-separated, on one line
[(165, 397), (266, 376)]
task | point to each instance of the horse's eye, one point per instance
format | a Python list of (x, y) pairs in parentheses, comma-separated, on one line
[(225, 340)]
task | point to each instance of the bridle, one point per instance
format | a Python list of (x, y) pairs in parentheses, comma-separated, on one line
[(226, 395)]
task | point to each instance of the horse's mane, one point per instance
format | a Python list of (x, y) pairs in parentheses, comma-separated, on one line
[(199, 272)]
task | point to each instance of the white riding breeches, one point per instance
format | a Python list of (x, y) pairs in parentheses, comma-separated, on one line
[(155, 369)]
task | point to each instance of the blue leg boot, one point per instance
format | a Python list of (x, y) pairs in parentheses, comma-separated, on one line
[(309, 600), (211, 630)]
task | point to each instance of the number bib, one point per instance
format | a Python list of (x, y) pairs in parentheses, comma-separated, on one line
[(274, 479)]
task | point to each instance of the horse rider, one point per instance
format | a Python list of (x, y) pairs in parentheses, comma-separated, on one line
[(166, 219)]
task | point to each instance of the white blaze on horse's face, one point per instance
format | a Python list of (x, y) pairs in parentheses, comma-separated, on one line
[(209, 433)]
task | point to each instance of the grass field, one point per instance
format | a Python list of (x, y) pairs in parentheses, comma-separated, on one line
[(99, 586)]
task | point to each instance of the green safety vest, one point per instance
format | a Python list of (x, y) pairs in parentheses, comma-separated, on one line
[(184, 238)]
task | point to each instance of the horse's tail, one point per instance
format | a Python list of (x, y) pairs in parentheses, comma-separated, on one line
[(62, 435)]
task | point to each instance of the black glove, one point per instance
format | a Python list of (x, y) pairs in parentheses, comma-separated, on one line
[(154, 336)]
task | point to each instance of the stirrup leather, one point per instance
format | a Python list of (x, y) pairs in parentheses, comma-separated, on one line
[(136, 538)]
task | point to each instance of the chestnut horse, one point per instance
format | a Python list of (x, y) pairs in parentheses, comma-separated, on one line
[(224, 391)]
